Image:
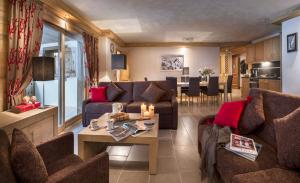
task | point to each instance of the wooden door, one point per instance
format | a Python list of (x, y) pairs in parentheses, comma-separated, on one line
[(235, 71)]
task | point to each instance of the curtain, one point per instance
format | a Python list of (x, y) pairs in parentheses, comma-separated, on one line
[(24, 34), (92, 60)]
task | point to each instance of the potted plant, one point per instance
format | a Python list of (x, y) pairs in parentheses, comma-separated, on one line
[(205, 73)]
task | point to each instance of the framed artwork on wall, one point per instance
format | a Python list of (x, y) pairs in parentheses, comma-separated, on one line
[(292, 42), (172, 62)]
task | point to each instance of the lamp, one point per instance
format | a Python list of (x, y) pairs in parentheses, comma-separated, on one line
[(43, 70), (118, 62)]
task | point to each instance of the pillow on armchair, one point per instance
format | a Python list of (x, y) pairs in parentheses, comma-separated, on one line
[(287, 130), (153, 93), (27, 162)]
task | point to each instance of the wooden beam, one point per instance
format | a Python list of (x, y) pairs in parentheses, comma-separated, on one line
[(293, 14), (114, 37), (188, 44)]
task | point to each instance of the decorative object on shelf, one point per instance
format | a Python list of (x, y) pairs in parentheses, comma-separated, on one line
[(112, 48), (292, 42), (151, 110), (118, 62), (205, 73), (172, 62), (43, 70), (143, 109), (117, 108), (26, 100)]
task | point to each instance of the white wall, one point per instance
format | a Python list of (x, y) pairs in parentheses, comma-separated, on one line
[(290, 61), (145, 61)]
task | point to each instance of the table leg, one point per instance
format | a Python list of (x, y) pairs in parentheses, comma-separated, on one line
[(225, 93), (87, 150), (153, 149)]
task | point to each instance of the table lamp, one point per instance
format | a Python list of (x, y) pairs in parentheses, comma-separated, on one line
[(118, 62)]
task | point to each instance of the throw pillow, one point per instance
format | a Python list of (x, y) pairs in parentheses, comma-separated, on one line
[(287, 130), (253, 115), (113, 91), (99, 94), (230, 113), (153, 93), (27, 162)]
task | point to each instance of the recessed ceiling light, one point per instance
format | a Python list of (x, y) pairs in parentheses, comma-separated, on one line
[(188, 39)]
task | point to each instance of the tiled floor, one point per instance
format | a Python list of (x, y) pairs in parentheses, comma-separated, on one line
[(178, 158)]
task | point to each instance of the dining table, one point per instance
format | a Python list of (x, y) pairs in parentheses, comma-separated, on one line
[(223, 84)]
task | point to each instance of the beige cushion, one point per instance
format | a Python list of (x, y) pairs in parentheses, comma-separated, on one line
[(287, 130), (27, 162)]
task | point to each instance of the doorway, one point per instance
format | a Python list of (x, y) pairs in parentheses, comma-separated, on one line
[(236, 71)]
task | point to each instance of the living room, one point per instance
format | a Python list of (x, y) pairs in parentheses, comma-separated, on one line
[(149, 91)]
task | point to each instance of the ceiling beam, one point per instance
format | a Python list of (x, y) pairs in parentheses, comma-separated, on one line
[(290, 15)]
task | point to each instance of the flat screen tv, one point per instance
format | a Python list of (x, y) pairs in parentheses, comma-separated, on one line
[(118, 61)]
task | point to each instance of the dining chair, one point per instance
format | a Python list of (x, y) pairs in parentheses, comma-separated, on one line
[(194, 89), (183, 89), (173, 83), (145, 78), (212, 89), (229, 87)]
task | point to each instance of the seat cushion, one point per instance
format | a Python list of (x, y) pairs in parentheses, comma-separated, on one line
[(287, 130), (229, 164), (273, 175), (100, 107), (160, 107), (70, 160), (6, 172), (27, 162)]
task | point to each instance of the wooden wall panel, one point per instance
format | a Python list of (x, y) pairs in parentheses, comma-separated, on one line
[(3, 51)]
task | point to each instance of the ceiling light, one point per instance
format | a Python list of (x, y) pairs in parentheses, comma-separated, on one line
[(188, 39)]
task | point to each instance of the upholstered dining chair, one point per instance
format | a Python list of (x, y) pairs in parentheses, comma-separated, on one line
[(183, 89), (173, 83), (212, 89), (194, 89), (229, 87)]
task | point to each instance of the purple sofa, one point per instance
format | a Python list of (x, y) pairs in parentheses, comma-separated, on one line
[(167, 107), (235, 169)]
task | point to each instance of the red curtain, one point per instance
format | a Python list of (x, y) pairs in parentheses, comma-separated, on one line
[(92, 59), (24, 34)]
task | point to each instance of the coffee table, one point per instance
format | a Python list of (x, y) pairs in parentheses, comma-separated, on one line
[(91, 143)]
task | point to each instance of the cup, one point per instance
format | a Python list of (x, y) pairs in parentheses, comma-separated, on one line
[(94, 123), (117, 108), (110, 124)]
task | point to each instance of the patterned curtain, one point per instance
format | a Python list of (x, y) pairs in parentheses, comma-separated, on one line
[(24, 34), (92, 60)]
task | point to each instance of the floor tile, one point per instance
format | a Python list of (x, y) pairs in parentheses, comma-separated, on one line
[(114, 175), (164, 134), (167, 165), (139, 153), (117, 162), (191, 177), (165, 178), (134, 177), (119, 150), (165, 148)]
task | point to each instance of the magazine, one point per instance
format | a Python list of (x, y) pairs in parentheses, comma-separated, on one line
[(242, 144), (250, 157)]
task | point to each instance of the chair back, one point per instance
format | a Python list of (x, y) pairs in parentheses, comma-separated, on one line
[(145, 78), (213, 86), (172, 82), (229, 83), (194, 87), (185, 78)]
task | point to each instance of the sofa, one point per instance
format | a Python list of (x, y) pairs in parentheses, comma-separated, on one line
[(61, 163), (235, 169), (166, 107)]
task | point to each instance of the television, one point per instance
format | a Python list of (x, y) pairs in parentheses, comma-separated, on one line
[(118, 61)]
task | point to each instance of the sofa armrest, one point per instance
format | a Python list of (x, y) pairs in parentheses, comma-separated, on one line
[(84, 103), (57, 148), (94, 170), (175, 111), (273, 175)]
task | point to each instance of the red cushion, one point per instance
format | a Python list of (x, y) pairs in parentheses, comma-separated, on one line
[(98, 94), (230, 113)]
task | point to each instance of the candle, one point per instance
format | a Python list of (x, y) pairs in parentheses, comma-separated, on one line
[(143, 109), (146, 114), (151, 110)]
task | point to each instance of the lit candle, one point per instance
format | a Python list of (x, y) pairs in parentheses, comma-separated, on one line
[(143, 109), (151, 110), (146, 114)]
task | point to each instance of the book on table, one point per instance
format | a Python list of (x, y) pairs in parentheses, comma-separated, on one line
[(250, 157)]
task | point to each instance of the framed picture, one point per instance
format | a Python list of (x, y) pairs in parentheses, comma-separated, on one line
[(292, 42), (172, 62)]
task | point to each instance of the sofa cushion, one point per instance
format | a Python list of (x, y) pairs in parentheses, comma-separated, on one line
[(230, 113), (153, 93), (100, 107), (6, 172), (229, 164), (160, 107), (127, 87), (70, 160), (140, 86), (253, 115), (98, 94), (273, 175), (27, 162), (113, 91), (287, 130)]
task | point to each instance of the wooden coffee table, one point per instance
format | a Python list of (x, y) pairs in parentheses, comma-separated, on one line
[(91, 143)]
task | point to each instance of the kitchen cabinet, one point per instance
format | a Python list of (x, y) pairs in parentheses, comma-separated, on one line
[(270, 84), (250, 53), (245, 87), (259, 52)]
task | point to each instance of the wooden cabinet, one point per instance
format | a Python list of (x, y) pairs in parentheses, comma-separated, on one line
[(268, 49), (245, 87), (270, 84), (259, 52), (250, 53)]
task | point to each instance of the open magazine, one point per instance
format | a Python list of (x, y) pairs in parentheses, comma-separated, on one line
[(250, 157), (242, 144)]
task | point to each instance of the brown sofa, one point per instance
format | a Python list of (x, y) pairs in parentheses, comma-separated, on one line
[(62, 164), (131, 98), (235, 169)]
